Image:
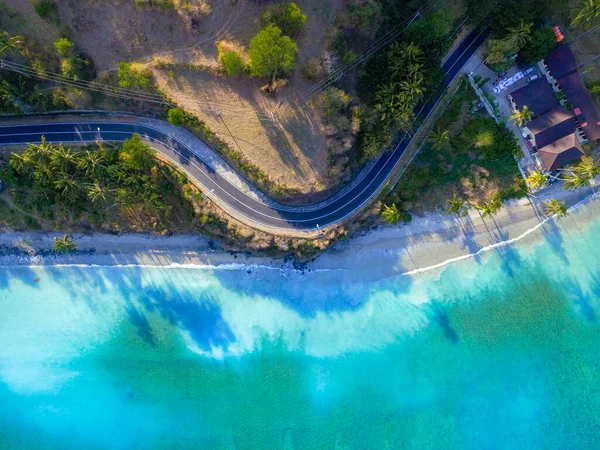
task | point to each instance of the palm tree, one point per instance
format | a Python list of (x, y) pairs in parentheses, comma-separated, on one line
[(520, 118), (63, 158), (574, 180), (439, 138), (555, 207), (519, 36), (64, 245), (413, 87), (456, 205), (390, 214), (68, 185), (22, 162), (537, 179), (586, 13), (404, 59), (587, 167), (90, 163), (491, 206), (97, 192), (7, 43)]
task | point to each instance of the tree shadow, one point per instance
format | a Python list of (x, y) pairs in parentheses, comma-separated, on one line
[(441, 318), (553, 236), (507, 252), (581, 299)]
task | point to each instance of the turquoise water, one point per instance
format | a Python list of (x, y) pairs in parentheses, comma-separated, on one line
[(499, 351)]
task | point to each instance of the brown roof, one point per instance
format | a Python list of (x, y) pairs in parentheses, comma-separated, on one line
[(577, 94), (555, 124), (538, 96), (561, 61), (560, 152)]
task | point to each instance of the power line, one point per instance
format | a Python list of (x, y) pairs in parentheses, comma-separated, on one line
[(362, 57), (117, 92)]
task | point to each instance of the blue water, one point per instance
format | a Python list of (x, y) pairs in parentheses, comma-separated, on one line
[(498, 351)]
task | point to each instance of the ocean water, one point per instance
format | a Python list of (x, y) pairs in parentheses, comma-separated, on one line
[(497, 351)]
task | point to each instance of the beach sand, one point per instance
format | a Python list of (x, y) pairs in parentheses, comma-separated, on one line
[(430, 241)]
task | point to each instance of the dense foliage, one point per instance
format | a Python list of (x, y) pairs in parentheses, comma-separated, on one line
[(392, 84), (287, 17), (476, 160), (108, 187), (542, 42)]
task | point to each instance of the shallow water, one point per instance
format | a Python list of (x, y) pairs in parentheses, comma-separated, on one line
[(498, 351)]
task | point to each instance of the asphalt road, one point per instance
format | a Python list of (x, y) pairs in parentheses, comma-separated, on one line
[(252, 211)]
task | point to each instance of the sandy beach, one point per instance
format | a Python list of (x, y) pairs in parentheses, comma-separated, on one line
[(430, 241)]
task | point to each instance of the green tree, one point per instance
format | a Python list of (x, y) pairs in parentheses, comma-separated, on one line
[(288, 18), (555, 207), (439, 138), (587, 168), (457, 206), (63, 159), (519, 36), (537, 179), (135, 76), (177, 117), (64, 245), (233, 64), (391, 214), (8, 44), (491, 206), (574, 180), (91, 163), (136, 156), (520, 118), (541, 43), (404, 59), (586, 13), (97, 192), (413, 87), (72, 64), (271, 54)]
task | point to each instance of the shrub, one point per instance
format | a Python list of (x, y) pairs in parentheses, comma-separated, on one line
[(177, 117), (135, 76), (72, 64), (65, 47), (288, 18), (44, 8), (233, 64)]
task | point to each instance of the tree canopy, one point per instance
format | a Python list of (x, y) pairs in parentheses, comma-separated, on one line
[(272, 54), (541, 43), (136, 155), (288, 18)]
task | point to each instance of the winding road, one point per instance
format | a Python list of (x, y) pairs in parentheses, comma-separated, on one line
[(265, 215)]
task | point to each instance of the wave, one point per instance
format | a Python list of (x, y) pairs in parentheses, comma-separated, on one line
[(497, 244), (285, 268)]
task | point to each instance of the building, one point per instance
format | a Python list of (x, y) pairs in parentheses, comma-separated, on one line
[(564, 114)]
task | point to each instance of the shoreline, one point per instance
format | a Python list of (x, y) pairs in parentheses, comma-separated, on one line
[(431, 241)]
